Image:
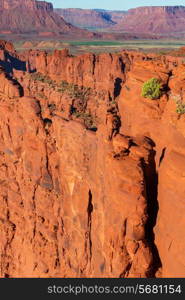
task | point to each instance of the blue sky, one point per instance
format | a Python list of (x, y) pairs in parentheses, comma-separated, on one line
[(112, 4)]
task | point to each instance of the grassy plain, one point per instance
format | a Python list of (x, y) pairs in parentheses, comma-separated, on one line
[(97, 46)]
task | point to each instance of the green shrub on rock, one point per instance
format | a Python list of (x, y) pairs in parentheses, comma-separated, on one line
[(152, 89), (180, 108)]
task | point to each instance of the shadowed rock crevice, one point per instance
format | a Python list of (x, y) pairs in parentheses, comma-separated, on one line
[(16, 83), (151, 182), (162, 156), (126, 271), (117, 87), (12, 63), (9, 85), (89, 213)]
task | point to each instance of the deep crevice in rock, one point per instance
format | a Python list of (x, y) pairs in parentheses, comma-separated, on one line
[(162, 156), (117, 87), (151, 183), (89, 213)]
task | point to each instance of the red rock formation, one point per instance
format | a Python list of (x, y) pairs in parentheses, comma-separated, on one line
[(141, 20), (4, 45), (117, 15), (39, 17), (160, 122), (86, 18), (154, 19), (8, 86), (91, 171)]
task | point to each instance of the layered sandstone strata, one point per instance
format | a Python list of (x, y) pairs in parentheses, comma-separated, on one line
[(161, 20), (39, 18)]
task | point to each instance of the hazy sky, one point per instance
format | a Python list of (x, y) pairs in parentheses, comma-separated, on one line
[(112, 4)]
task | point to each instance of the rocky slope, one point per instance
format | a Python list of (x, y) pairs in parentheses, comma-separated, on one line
[(91, 173), (39, 18)]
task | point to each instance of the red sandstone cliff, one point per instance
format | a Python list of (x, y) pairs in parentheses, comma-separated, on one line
[(33, 17), (86, 18), (154, 19), (91, 173)]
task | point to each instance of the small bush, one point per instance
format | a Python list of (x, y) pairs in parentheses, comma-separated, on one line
[(52, 107), (113, 102), (74, 91), (89, 120), (152, 89), (180, 108)]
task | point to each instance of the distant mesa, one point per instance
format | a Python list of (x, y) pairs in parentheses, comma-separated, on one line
[(86, 18), (154, 19), (91, 18), (31, 17), (34, 17), (157, 20)]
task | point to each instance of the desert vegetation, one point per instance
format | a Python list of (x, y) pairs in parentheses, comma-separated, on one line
[(71, 89), (90, 121), (152, 89), (180, 109), (180, 106)]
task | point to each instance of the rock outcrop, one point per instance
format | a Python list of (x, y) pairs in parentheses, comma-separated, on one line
[(91, 18), (138, 21), (35, 17), (92, 173), (170, 20), (86, 18)]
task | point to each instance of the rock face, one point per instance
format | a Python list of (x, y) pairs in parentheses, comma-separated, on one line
[(87, 18), (9, 86), (141, 20), (91, 18), (39, 17), (90, 171), (154, 19), (117, 15)]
